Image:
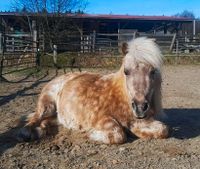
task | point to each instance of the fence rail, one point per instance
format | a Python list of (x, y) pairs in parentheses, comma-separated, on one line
[(110, 43), (107, 46), (17, 52)]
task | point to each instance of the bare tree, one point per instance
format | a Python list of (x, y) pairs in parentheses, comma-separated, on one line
[(51, 16), (186, 14), (50, 6)]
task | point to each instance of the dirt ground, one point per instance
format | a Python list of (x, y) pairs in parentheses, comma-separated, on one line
[(67, 149)]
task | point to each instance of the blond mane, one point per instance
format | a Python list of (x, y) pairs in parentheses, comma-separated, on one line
[(145, 50)]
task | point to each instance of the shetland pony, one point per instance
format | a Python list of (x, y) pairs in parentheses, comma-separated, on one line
[(106, 106)]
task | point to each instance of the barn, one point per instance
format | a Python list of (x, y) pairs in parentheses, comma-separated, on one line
[(90, 32), (109, 23)]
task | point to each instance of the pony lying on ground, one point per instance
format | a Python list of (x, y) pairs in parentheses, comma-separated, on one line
[(106, 106)]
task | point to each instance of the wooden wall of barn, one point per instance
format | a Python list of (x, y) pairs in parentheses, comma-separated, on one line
[(187, 28)]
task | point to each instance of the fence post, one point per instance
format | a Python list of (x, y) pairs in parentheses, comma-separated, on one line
[(134, 35), (93, 40), (2, 79), (1, 45), (35, 43), (2, 57), (172, 43), (55, 55), (177, 52), (194, 27), (177, 47), (82, 44), (37, 55), (13, 44)]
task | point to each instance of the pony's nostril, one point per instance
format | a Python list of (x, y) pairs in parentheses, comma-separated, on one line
[(145, 106)]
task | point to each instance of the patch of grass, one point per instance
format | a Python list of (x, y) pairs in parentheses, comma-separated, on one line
[(65, 60), (182, 59), (82, 60), (34, 72)]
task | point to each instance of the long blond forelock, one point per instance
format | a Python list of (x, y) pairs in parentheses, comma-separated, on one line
[(145, 50)]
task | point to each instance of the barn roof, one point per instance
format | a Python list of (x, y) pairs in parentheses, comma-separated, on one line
[(109, 16), (132, 17)]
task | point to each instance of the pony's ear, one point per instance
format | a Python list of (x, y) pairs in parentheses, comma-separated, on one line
[(124, 48)]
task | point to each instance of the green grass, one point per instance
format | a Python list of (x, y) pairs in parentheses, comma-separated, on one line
[(84, 61), (103, 61), (182, 59), (30, 71)]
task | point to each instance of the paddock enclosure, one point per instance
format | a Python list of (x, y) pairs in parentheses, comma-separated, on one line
[(28, 62), (87, 41), (66, 149)]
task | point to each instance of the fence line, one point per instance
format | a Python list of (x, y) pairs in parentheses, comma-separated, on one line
[(102, 42), (15, 55), (105, 48), (21, 50), (110, 42)]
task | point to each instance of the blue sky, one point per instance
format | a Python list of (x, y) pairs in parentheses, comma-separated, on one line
[(134, 7)]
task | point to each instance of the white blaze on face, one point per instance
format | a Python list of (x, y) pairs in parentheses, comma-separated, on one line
[(138, 80)]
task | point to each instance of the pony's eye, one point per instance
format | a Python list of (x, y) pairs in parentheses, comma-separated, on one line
[(126, 72), (152, 73)]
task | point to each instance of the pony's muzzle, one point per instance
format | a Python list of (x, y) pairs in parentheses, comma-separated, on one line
[(141, 109)]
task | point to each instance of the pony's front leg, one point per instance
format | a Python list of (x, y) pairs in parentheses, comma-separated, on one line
[(108, 131), (150, 128)]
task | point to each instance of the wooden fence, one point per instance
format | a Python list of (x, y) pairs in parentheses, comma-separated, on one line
[(20, 51), (187, 44), (17, 52), (101, 50), (173, 43), (109, 44)]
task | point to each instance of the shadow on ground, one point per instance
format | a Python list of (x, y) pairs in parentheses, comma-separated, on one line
[(22, 92), (185, 123), (9, 138)]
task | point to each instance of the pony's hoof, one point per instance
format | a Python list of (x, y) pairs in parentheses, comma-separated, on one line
[(27, 134), (24, 135)]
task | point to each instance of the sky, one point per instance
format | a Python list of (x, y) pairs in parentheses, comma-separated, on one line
[(134, 7)]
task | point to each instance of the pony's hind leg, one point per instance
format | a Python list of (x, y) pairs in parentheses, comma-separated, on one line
[(148, 129), (108, 131), (37, 124)]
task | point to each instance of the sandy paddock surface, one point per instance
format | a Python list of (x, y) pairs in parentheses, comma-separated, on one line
[(67, 149)]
